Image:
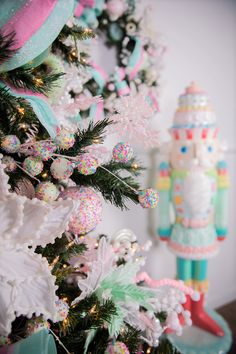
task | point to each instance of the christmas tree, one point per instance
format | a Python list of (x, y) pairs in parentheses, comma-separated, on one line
[(86, 292)]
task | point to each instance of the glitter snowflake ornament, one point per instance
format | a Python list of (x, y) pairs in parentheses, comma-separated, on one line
[(132, 120)]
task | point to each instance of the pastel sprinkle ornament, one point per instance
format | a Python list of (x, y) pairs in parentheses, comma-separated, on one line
[(36, 324), (88, 212), (117, 348), (65, 139), (10, 144), (61, 168), (44, 150), (122, 152), (33, 165), (47, 191), (87, 165), (148, 198), (63, 309), (10, 163)]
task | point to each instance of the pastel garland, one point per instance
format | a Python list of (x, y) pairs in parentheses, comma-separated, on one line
[(137, 52)]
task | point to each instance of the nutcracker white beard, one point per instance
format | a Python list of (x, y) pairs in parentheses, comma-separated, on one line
[(197, 192)]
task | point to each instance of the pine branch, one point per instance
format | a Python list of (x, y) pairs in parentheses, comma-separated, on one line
[(17, 115), (77, 32), (112, 189), (131, 338), (27, 78), (6, 43), (94, 132)]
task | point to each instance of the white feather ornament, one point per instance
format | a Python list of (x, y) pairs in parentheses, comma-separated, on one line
[(26, 283)]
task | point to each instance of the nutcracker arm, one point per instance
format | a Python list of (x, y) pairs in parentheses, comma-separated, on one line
[(164, 186), (221, 204)]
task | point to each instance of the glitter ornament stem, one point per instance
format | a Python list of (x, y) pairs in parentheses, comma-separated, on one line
[(126, 184), (59, 341), (29, 174), (74, 158)]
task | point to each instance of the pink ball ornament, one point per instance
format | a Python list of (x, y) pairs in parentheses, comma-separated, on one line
[(115, 9), (89, 210), (117, 348), (47, 191), (122, 152), (36, 324), (86, 164), (148, 198), (44, 150), (10, 144), (62, 309), (61, 168), (10, 163), (65, 139), (33, 165)]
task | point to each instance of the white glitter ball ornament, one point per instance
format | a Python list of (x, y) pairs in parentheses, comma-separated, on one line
[(61, 168)]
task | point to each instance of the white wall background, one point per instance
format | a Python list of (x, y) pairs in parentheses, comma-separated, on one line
[(200, 36)]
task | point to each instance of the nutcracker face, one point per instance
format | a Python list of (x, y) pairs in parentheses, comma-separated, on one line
[(185, 154)]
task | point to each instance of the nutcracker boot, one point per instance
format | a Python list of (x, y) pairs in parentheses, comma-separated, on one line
[(201, 319)]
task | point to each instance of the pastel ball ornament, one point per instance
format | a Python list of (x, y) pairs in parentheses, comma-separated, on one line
[(61, 168), (117, 348), (88, 212), (33, 165), (47, 191), (122, 152), (65, 138), (10, 144), (87, 165), (148, 198)]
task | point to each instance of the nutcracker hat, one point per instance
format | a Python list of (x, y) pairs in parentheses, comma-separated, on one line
[(194, 118)]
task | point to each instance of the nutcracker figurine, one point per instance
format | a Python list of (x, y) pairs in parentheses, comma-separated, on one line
[(195, 181)]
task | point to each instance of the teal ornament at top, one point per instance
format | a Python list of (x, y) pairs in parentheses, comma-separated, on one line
[(115, 32)]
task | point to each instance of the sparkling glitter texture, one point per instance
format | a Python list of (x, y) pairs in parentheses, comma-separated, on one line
[(11, 144), (62, 308), (44, 150), (65, 138), (61, 168), (117, 348), (148, 198), (33, 165), (87, 165), (122, 152), (10, 163), (36, 324), (89, 210), (46, 191)]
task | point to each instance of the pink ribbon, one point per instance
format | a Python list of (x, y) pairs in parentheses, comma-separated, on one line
[(28, 20)]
